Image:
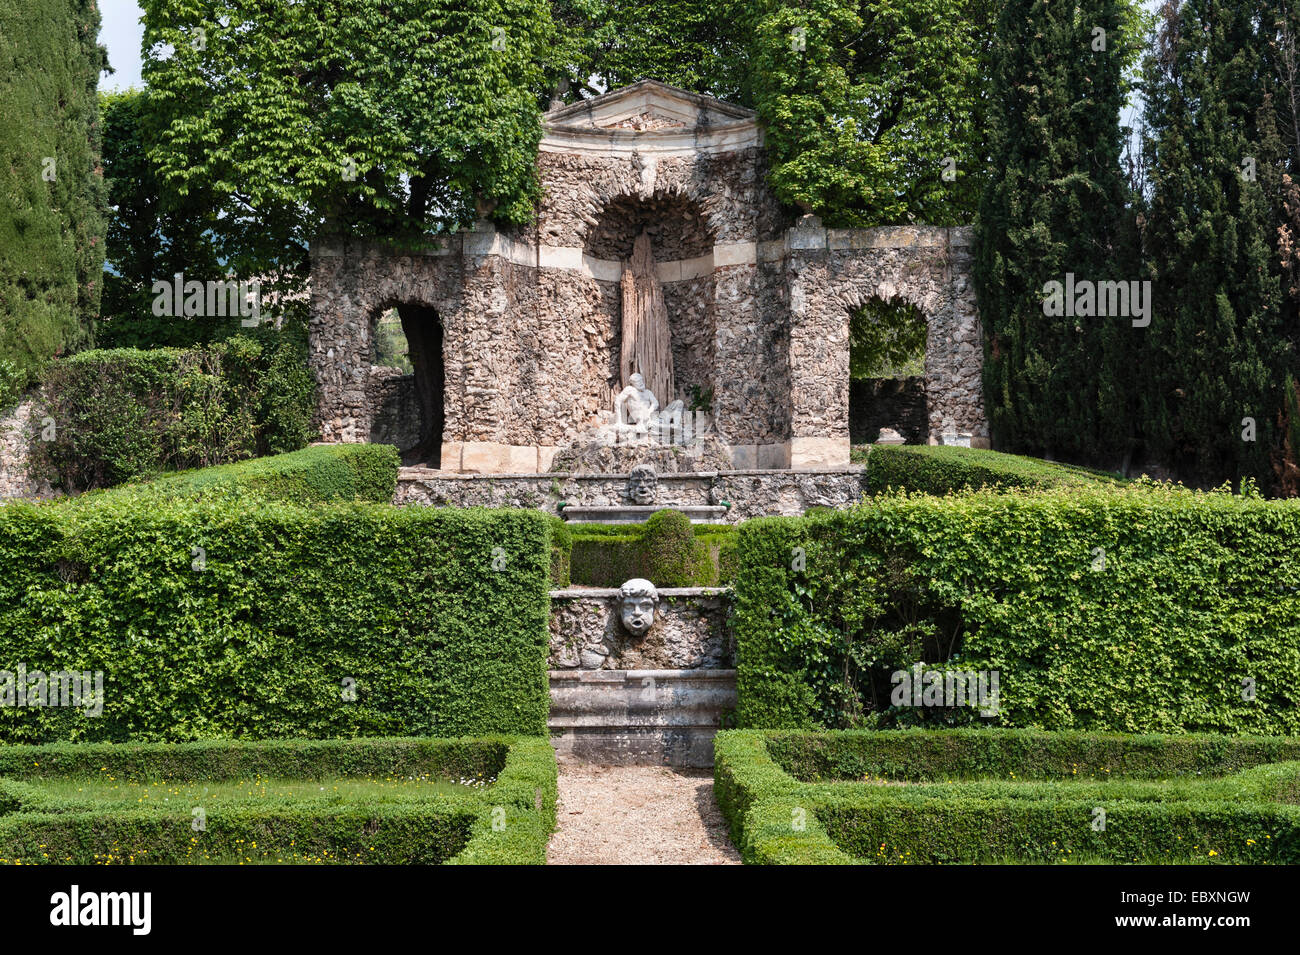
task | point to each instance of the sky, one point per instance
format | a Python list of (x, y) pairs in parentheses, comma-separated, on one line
[(120, 32)]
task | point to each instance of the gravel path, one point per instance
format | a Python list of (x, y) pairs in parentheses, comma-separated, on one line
[(638, 815)]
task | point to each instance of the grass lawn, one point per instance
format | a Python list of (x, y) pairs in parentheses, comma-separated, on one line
[(337, 789)]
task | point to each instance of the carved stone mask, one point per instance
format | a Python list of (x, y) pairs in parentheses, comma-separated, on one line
[(638, 599), (643, 485)]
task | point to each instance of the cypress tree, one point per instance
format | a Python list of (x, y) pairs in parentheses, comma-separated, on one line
[(51, 219), (1211, 375), (1057, 203)]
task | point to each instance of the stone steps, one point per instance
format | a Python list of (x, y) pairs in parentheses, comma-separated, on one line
[(639, 717)]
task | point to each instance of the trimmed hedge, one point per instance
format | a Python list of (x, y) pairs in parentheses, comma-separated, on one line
[(667, 549), (247, 619), (127, 413), (506, 822), (1133, 609), (1246, 817), (332, 472), (941, 469), (561, 552), (919, 754)]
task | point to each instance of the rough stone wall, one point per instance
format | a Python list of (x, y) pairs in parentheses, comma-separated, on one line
[(395, 408), (897, 403), (690, 632), (729, 190), (349, 291), (675, 225), (579, 343), (761, 316), (692, 327), (752, 493), (751, 399), (17, 430), (831, 273)]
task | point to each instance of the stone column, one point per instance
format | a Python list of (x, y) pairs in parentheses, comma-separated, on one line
[(954, 352), (339, 345), (819, 353)]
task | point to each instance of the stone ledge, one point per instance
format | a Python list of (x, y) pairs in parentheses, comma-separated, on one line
[(604, 593), (625, 676), (418, 473)]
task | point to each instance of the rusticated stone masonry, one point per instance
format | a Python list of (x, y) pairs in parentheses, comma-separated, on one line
[(758, 301), (18, 429), (747, 494)]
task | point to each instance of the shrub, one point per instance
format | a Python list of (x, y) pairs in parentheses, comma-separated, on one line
[(333, 472), (126, 413), (1134, 609), (667, 550), (941, 469), (38, 826), (252, 619), (1166, 799)]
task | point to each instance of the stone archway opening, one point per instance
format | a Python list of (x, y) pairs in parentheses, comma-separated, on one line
[(408, 382), (887, 343)]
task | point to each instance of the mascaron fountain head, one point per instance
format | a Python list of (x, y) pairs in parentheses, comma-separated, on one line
[(637, 599), (642, 485)]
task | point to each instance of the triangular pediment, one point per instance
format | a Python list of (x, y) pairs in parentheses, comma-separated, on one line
[(647, 106)]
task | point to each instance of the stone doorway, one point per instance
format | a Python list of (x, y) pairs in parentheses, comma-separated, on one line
[(408, 382), (887, 347)]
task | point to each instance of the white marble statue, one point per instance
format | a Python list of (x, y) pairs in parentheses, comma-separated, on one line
[(638, 419)]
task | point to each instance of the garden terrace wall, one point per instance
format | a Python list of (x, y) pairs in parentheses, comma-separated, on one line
[(750, 493), (1132, 608), (248, 619)]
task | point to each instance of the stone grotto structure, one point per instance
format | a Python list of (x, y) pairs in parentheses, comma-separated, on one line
[(518, 334), (665, 334)]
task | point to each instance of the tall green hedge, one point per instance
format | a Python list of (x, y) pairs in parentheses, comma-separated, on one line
[(252, 619), (1133, 609), (124, 413), (51, 223)]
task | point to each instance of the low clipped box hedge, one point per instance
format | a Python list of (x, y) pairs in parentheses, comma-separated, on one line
[(320, 473), (1133, 609), (940, 469), (507, 821), (997, 796), (253, 619), (667, 549)]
